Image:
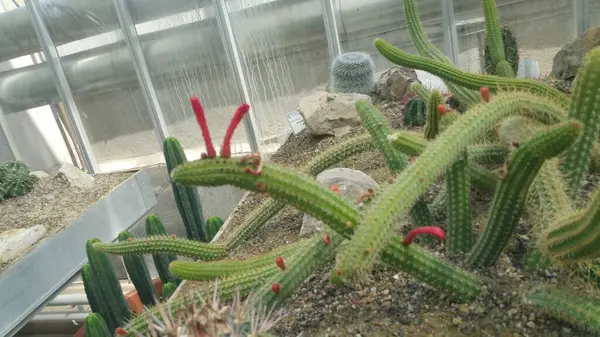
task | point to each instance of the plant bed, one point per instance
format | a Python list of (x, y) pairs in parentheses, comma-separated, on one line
[(116, 202)]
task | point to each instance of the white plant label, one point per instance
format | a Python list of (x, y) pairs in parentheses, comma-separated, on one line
[(296, 121)]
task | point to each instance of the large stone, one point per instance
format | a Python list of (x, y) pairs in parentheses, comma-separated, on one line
[(352, 184), (329, 114), (395, 83), (75, 176), (569, 59), (15, 242)]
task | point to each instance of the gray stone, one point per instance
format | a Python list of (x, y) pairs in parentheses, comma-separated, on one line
[(328, 114), (75, 176), (40, 174), (568, 60), (352, 184), (395, 83)]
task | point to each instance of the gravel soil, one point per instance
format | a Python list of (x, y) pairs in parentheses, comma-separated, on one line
[(391, 303), (54, 203)]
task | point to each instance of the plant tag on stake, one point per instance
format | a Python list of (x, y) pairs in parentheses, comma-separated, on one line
[(296, 121)]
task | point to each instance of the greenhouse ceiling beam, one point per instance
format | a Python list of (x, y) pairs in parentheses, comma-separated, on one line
[(141, 69), (251, 124), (331, 29), (450, 33), (62, 85)]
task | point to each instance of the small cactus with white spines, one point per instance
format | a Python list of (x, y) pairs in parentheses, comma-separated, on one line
[(352, 73)]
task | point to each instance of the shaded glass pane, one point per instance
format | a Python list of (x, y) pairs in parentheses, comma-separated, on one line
[(541, 28), (594, 13)]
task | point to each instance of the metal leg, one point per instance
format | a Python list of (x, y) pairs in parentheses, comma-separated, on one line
[(6, 135), (62, 86), (331, 30), (450, 33), (141, 69), (581, 16), (251, 124)]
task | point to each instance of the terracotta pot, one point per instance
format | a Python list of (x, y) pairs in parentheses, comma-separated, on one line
[(133, 300)]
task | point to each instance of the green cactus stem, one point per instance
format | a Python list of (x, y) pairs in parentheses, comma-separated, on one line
[(109, 288), (414, 112), (575, 237), (381, 216), (186, 198), (395, 160), (328, 158), (495, 40), (511, 195), (191, 270), (433, 115), (155, 227), (213, 224), (564, 305), (419, 90), (511, 52), (98, 303), (166, 245), (139, 274), (473, 81), (95, 326), (585, 107), (458, 189)]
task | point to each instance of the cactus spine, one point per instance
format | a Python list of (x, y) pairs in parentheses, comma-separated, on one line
[(139, 274), (95, 326), (186, 198), (155, 227), (352, 73)]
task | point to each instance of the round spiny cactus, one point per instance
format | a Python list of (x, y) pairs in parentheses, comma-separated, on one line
[(414, 112), (15, 180), (352, 73)]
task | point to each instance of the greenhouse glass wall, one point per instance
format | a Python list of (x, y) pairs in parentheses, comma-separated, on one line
[(99, 93)]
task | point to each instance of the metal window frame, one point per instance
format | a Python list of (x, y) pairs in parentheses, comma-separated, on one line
[(8, 138), (450, 32), (581, 16), (141, 69), (251, 123), (62, 86), (331, 29)]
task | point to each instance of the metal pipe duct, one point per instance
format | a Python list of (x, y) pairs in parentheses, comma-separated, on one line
[(109, 67)]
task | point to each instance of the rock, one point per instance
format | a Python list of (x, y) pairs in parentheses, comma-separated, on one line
[(15, 242), (75, 176), (40, 174), (328, 114), (568, 60), (394, 84), (351, 183)]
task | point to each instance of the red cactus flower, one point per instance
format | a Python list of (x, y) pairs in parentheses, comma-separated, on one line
[(340, 272), (201, 118), (121, 332), (275, 288), (327, 239), (485, 93), (429, 230), (279, 262), (235, 121), (441, 109), (335, 188)]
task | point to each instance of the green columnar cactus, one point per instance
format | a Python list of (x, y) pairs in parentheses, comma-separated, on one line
[(561, 304), (138, 273), (419, 90), (511, 195), (585, 107), (433, 114), (511, 52), (186, 198), (98, 303), (414, 112), (95, 326), (109, 288), (494, 40), (458, 190), (395, 160), (155, 227), (213, 224), (380, 219), (352, 73)]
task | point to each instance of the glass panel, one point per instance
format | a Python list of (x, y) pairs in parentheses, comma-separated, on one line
[(541, 29), (360, 22), (100, 72), (185, 56), (594, 13), (285, 55)]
